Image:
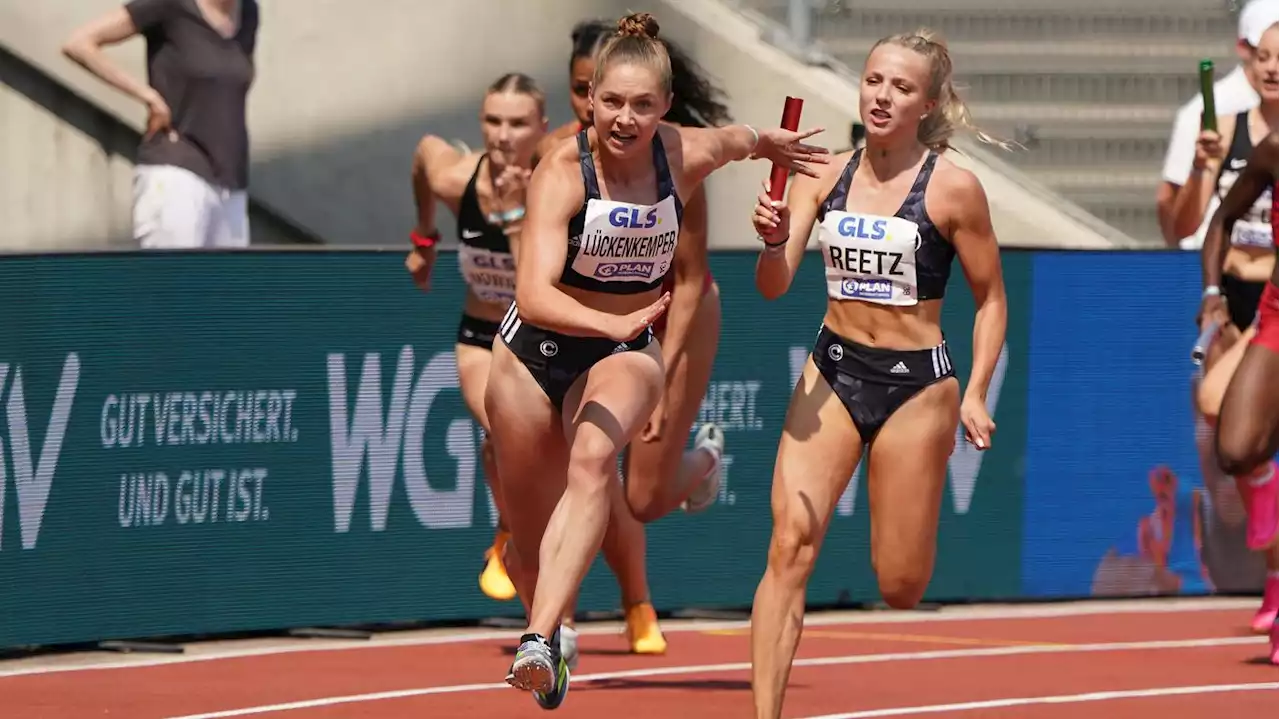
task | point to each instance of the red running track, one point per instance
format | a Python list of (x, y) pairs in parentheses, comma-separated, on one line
[(1129, 662)]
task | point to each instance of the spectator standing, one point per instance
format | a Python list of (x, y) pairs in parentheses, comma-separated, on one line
[(192, 168), (1233, 94)]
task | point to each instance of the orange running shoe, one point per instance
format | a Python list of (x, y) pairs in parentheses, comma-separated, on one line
[(494, 581), (643, 633)]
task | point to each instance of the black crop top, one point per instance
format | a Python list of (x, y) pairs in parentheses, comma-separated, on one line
[(484, 250), (872, 258), (1252, 229), (619, 247)]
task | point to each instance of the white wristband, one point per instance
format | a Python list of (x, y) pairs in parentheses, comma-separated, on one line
[(1211, 291)]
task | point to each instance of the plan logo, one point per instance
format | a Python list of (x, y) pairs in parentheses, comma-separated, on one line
[(625, 269)]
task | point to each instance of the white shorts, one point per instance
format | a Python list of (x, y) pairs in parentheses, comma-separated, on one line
[(174, 208)]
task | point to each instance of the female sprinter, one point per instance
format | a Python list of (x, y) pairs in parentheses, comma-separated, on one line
[(695, 301), (577, 373), (485, 192), (880, 378), (1235, 274), (1245, 437), (688, 356)]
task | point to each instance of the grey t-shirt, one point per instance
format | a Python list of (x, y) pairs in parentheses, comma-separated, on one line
[(205, 78)]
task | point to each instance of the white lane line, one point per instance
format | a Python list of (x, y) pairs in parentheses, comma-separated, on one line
[(950, 614), (740, 667), (1059, 699)]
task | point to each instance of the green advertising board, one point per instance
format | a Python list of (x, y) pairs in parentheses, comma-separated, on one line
[(206, 443)]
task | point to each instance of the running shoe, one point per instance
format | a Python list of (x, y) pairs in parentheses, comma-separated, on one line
[(1265, 619), (569, 646), (643, 633), (1275, 641), (1262, 501), (704, 495), (494, 581), (540, 668)]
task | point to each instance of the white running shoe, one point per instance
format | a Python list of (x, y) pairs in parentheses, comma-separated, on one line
[(704, 495), (569, 646)]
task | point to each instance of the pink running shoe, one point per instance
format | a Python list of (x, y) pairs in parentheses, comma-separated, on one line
[(1265, 619), (1275, 642), (1263, 504)]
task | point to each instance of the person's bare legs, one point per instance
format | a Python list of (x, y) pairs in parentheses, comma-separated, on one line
[(817, 453), (473, 378)]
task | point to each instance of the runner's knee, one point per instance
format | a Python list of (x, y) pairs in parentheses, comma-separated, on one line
[(641, 492), (793, 549), (902, 589), (592, 461), (643, 474), (1240, 451)]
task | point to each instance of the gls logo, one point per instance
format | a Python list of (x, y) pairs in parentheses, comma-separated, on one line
[(494, 261), (33, 481), (862, 228), (624, 217), (396, 439)]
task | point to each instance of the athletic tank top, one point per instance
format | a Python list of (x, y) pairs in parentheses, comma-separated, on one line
[(619, 247), (1250, 230), (897, 260), (484, 251)]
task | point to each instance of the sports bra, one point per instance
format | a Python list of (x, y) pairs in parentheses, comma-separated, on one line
[(619, 247), (484, 251), (896, 260), (1251, 229)]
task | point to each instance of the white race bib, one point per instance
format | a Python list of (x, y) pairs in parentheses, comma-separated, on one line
[(622, 242), (870, 258), (1251, 234), (491, 275), (1254, 228)]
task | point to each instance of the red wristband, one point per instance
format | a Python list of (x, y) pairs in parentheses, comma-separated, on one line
[(424, 242)]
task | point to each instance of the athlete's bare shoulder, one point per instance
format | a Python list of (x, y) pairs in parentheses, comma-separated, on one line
[(828, 176), (560, 156), (447, 166), (556, 137), (955, 197), (558, 177), (953, 178)]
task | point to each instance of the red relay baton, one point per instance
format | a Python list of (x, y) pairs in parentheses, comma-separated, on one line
[(790, 121)]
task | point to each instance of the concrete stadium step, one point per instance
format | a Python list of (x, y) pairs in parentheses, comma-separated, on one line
[(1114, 56), (1086, 71), (1106, 179), (987, 20), (1123, 196), (1088, 87), (1069, 137), (1137, 219), (1150, 117), (1041, 151)]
